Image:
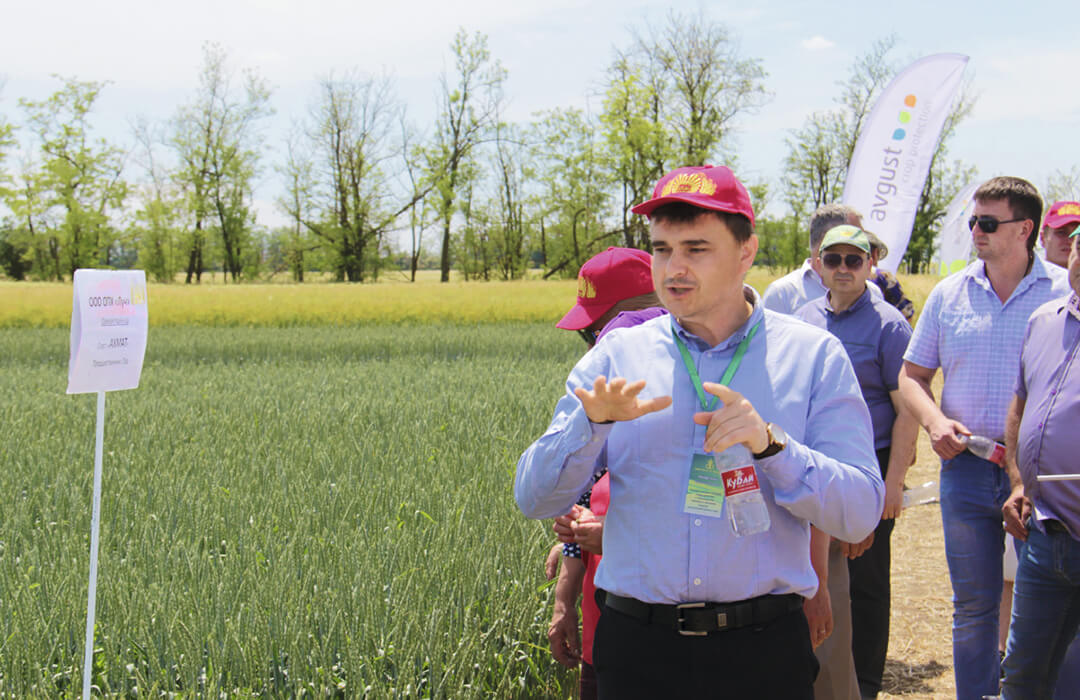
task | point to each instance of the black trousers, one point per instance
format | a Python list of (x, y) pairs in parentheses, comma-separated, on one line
[(587, 683), (871, 592), (634, 659)]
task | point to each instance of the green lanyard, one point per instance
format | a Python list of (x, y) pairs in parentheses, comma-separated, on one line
[(732, 367)]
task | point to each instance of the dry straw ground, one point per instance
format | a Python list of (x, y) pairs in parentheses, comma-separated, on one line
[(919, 663)]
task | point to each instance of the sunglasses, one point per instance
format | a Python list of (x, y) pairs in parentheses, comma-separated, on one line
[(989, 224), (852, 261)]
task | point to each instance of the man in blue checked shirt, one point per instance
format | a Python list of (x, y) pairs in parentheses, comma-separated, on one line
[(690, 609), (973, 327)]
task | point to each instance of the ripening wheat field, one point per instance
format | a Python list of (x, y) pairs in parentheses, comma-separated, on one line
[(301, 502)]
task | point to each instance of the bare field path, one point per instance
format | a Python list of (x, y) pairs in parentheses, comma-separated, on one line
[(919, 664)]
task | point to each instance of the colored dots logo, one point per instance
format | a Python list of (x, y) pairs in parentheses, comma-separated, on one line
[(904, 118)]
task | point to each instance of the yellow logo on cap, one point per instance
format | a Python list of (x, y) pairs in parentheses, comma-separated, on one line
[(694, 183), (1068, 209), (585, 288)]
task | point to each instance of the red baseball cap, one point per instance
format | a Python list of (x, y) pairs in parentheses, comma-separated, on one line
[(1062, 213), (708, 186), (607, 278)]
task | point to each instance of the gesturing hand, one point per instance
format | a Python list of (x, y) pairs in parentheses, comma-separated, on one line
[(617, 400), (735, 421)]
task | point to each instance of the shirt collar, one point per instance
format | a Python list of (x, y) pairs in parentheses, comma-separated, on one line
[(1073, 305), (1038, 269), (977, 272), (756, 315), (863, 299), (809, 271)]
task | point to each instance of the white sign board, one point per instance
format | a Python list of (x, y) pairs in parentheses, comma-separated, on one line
[(108, 330)]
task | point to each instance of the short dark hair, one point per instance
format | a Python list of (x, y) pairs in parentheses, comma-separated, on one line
[(826, 217), (684, 213), (1021, 196)]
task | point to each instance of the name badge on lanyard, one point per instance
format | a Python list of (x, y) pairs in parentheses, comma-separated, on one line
[(705, 485)]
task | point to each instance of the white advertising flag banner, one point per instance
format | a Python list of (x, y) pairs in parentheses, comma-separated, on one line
[(108, 330), (952, 247), (892, 156)]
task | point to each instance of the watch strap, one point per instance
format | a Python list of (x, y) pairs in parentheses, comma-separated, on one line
[(772, 448)]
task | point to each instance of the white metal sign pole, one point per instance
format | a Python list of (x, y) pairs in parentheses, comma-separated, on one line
[(1058, 477), (95, 528), (108, 344)]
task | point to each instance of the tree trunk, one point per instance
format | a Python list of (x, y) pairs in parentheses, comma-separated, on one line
[(444, 258)]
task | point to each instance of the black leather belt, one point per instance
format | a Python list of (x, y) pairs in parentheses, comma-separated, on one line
[(699, 619)]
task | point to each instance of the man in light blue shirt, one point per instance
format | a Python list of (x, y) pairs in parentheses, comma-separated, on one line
[(972, 327), (680, 584)]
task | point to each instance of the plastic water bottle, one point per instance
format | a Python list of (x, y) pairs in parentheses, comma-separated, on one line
[(746, 506), (986, 448), (927, 493)]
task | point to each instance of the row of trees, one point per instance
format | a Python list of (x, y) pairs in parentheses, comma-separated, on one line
[(364, 188)]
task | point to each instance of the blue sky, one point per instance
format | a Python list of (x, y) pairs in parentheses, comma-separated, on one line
[(1024, 60)]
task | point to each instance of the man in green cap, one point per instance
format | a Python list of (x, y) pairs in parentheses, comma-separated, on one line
[(875, 335)]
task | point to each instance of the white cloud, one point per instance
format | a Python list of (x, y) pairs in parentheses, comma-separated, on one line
[(817, 43)]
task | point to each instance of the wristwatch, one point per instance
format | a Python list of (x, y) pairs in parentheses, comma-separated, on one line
[(777, 441)]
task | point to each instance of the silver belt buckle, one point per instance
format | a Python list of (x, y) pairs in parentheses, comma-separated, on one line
[(681, 620)]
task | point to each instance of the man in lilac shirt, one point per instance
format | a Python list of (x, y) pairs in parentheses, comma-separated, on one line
[(972, 326), (691, 608), (1043, 439)]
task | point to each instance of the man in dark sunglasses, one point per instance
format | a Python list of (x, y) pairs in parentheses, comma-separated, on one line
[(790, 292), (874, 335), (972, 327), (829, 610)]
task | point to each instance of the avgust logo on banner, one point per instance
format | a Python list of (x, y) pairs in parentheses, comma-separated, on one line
[(893, 154)]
